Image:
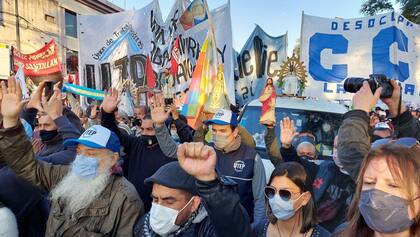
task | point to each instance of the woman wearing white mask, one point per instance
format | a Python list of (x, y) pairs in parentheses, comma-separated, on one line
[(290, 207)]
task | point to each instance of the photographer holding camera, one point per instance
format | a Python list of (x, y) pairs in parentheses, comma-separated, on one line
[(353, 136)]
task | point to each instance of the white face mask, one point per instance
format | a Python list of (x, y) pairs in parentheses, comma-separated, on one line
[(162, 219), (174, 135)]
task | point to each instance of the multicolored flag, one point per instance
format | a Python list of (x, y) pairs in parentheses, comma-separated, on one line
[(194, 14), (201, 82), (175, 58)]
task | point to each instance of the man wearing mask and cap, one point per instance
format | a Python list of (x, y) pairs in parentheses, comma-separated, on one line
[(235, 159), (239, 162), (190, 199), (143, 154), (56, 124), (87, 199)]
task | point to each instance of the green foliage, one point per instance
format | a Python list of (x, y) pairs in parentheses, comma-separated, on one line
[(410, 9)]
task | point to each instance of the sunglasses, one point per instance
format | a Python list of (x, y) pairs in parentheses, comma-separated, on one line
[(407, 142), (270, 192)]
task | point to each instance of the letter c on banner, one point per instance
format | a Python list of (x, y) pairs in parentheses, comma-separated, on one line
[(319, 42), (380, 53)]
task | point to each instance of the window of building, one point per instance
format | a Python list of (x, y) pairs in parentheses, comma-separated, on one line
[(71, 23), (49, 18), (72, 61)]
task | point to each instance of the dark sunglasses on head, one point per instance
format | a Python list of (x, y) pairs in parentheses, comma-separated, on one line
[(284, 194), (407, 142)]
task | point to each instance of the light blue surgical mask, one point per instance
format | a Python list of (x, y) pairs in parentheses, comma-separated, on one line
[(85, 167), (28, 128), (282, 210)]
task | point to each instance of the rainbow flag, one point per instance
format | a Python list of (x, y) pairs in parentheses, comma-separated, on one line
[(201, 82)]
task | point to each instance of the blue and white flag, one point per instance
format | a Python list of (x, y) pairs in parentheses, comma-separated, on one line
[(126, 104), (260, 58), (334, 49), (20, 76)]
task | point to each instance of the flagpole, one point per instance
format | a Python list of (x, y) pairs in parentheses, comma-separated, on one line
[(211, 28), (301, 38)]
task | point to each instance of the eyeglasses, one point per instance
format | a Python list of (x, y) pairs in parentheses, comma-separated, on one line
[(270, 191), (407, 142)]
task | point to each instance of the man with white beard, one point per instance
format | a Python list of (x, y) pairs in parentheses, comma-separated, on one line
[(87, 199)]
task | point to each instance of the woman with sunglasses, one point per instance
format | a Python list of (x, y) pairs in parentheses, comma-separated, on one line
[(290, 207), (387, 199)]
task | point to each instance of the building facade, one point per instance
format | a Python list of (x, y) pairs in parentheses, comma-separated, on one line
[(29, 24)]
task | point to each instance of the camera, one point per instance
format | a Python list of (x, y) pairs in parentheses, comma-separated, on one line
[(353, 84)]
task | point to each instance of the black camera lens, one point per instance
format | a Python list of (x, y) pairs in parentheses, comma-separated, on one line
[(353, 84)]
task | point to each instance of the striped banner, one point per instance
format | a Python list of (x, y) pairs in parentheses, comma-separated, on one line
[(83, 91)]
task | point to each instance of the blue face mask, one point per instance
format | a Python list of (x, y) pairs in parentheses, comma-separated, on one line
[(85, 167), (282, 209)]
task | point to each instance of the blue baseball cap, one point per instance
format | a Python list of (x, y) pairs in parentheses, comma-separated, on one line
[(97, 137), (224, 117)]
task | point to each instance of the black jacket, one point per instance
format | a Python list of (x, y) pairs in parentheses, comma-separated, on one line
[(226, 216), (333, 190), (185, 132), (141, 161), (354, 141)]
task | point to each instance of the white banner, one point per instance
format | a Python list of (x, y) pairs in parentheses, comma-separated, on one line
[(259, 59), (114, 47), (335, 49)]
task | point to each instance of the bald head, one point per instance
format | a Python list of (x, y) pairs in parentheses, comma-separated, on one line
[(306, 149)]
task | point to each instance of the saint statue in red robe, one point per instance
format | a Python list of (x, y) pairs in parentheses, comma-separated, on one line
[(268, 100)]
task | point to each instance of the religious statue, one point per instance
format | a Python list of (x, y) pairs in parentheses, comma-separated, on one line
[(167, 87), (217, 99), (268, 100)]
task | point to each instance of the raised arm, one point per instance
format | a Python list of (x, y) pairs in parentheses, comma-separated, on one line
[(54, 109), (184, 131), (229, 218), (16, 150), (272, 146), (109, 106), (353, 135), (159, 116)]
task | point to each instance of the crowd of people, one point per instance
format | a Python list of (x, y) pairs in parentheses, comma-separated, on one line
[(98, 172)]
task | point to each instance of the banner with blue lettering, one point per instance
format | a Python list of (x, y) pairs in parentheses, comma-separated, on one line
[(114, 47), (259, 59), (335, 49)]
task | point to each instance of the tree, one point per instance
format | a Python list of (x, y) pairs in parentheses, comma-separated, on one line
[(410, 9)]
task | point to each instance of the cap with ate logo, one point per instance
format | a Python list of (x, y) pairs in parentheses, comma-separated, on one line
[(97, 137), (224, 117)]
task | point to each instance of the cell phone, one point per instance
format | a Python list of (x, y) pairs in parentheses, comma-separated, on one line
[(169, 101), (49, 89)]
